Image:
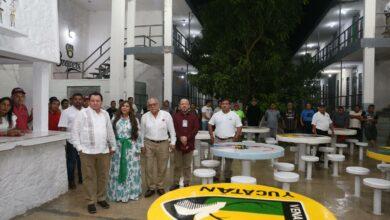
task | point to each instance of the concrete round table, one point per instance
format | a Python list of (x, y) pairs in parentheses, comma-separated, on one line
[(251, 130), (255, 151), (236, 201), (341, 132), (302, 140), (381, 154)]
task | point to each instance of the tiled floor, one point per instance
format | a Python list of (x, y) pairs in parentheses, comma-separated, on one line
[(334, 193)]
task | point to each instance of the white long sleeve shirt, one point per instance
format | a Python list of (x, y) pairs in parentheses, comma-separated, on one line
[(157, 128), (92, 132)]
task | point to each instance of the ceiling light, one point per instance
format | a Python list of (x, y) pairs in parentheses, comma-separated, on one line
[(332, 24), (330, 75), (72, 34)]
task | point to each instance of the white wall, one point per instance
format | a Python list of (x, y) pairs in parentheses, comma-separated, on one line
[(152, 76), (382, 82), (39, 20), (99, 28)]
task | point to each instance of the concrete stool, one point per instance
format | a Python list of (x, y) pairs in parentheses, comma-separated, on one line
[(286, 178), (352, 143), (205, 174), (284, 167), (336, 158), (378, 185), (296, 156), (270, 141), (385, 168), (341, 146), (195, 159), (361, 145), (311, 150), (244, 179), (357, 171), (210, 163), (204, 146), (326, 151), (310, 160)]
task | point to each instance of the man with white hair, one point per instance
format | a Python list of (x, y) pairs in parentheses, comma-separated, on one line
[(155, 125), (186, 125)]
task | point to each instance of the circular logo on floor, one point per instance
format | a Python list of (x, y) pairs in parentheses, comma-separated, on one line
[(236, 201)]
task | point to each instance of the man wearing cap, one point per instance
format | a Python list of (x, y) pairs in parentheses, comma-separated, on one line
[(20, 109), (54, 113)]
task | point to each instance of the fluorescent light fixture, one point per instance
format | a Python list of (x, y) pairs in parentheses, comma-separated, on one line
[(332, 24), (344, 11), (312, 45)]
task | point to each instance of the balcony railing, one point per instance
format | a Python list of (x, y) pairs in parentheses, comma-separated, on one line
[(344, 40), (347, 101)]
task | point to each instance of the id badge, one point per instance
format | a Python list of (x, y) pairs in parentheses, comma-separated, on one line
[(185, 124)]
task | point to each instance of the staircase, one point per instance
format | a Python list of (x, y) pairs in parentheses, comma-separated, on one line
[(383, 127)]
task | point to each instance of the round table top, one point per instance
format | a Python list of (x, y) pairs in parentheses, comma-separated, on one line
[(381, 154), (236, 201), (343, 131), (256, 130), (202, 135), (298, 138), (254, 151)]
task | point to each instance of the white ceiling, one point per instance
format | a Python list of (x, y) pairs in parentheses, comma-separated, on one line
[(329, 25), (94, 5)]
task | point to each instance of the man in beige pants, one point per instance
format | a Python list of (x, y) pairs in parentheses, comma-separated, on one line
[(155, 125), (91, 133)]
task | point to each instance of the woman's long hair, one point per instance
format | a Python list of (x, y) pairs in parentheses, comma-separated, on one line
[(133, 120), (8, 115)]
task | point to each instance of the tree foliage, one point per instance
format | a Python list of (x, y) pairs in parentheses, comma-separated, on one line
[(244, 52)]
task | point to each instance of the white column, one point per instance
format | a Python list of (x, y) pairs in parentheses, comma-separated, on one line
[(369, 53), (41, 73), (130, 60), (168, 49), (118, 8)]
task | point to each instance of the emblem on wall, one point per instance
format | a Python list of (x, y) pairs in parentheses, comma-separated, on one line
[(69, 50)]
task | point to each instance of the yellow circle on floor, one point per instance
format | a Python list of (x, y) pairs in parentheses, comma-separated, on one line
[(236, 201), (381, 154)]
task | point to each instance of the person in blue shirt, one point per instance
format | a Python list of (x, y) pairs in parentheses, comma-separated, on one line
[(306, 118)]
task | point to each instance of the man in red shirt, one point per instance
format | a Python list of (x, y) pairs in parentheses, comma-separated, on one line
[(54, 113), (20, 109), (186, 127)]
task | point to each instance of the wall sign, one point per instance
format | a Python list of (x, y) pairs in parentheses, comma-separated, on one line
[(69, 50), (70, 65)]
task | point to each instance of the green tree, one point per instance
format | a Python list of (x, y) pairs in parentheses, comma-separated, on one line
[(244, 51)]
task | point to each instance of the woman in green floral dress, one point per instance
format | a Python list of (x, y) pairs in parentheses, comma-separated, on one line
[(125, 172)]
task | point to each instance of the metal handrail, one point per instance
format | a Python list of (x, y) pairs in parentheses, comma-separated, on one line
[(177, 36), (343, 40)]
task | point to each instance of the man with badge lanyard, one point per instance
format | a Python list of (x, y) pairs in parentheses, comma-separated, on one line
[(186, 126), (228, 128)]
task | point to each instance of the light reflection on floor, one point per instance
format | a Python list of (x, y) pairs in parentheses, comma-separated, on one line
[(336, 193)]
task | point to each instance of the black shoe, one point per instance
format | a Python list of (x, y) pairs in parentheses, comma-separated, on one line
[(215, 179), (72, 185), (149, 193), (174, 187), (161, 192), (91, 208), (104, 204), (227, 180)]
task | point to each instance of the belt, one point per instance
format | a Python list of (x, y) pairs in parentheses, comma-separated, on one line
[(155, 141), (224, 139)]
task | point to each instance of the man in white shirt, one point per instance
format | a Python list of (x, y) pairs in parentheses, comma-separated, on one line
[(131, 101), (207, 112), (228, 128), (65, 124), (321, 122), (91, 132), (155, 125), (355, 121)]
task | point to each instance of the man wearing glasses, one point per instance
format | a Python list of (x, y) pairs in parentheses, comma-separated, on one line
[(155, 125)]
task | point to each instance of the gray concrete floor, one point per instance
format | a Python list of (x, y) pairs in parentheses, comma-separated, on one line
[(334, 193)]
